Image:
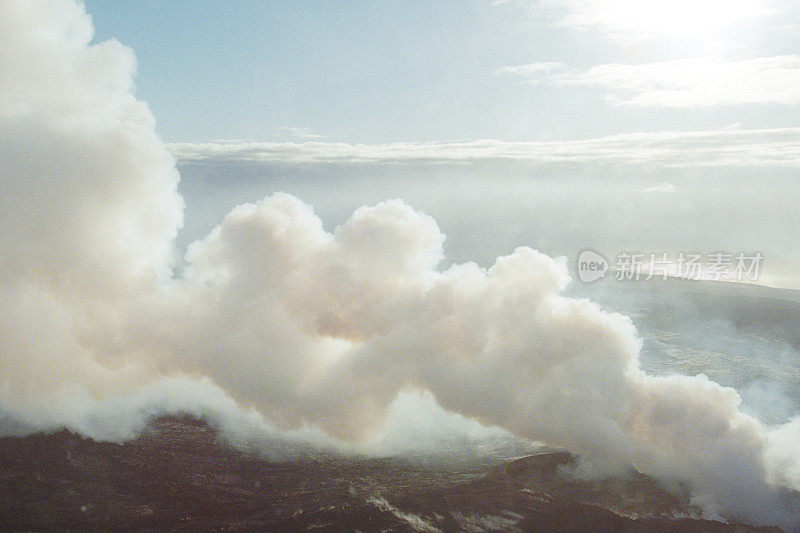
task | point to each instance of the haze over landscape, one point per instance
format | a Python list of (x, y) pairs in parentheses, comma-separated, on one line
[(354, 230)]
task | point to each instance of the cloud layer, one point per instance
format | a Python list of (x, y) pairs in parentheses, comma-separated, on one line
[(769, 147), (277, 319)]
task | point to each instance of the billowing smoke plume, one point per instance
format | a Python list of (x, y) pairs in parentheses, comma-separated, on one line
[(277, 323)]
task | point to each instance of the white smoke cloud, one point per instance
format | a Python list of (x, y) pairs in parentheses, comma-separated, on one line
[(89, 206), (279, 325)]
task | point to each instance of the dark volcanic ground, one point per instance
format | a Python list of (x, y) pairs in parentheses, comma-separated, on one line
[(179, 476)]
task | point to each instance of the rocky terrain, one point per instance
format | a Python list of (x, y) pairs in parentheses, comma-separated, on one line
[(179, 476)]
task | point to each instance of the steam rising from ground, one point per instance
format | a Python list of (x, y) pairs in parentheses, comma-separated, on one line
[(278, 324)]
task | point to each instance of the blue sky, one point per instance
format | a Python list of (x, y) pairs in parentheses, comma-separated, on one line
[(424, 71)]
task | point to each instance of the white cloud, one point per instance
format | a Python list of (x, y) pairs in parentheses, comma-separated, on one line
[(298, 133), (770, 147), (661, 187), (532, 69), (639, 19), (690, 82)]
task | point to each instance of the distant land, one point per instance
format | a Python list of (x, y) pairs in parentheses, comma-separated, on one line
[(178, 476)]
